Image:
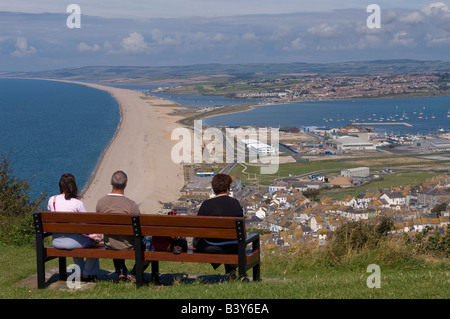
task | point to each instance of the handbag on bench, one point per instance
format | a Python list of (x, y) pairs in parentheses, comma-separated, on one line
[(177, 245)]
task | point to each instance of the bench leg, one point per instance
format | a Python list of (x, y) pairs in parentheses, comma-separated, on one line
[(62, 268), (40, 251), (241, 260), (155, 272), (257, 268), (257, 273), (40, 270), (138, 260), (242, 273), (139, 275)]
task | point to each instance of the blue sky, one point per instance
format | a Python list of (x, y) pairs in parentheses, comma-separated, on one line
[(204, 8), (34, 34)]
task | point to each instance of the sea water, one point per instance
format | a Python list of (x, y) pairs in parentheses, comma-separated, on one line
[(425, 115), (49, 128)]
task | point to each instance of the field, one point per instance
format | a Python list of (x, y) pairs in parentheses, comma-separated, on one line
[(404, 170)]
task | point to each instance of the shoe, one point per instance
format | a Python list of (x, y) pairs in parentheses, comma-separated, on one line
[(232, 274), (127, 278), (89, 278)]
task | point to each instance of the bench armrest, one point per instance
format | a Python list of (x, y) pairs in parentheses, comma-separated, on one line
[(252, 238)]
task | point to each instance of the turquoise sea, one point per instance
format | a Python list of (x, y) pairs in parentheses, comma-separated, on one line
[(51, 128)]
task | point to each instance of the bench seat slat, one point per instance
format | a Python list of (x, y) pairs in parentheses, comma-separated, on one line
[(188, 221), (93, 252), (188, 232), (97, 218), (101, 252), (198, 257), (87, 228)]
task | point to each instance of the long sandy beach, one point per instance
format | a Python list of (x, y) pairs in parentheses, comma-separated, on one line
[(142, 149)]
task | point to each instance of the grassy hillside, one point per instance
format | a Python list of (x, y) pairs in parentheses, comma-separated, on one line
[(308, 273)]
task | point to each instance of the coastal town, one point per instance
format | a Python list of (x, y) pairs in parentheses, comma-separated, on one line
[(315, 87), (305, 209)]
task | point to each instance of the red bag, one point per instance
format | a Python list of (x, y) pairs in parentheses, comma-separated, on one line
[(162, 243)]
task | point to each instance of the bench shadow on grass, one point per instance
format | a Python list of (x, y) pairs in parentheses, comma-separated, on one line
[(53, 282)]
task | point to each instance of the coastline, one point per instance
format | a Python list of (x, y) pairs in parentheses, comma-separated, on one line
[(141, 147)]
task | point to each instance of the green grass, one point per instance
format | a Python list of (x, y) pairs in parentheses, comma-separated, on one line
[(249, 174), (290, 168), (407, 178), (285, 276)]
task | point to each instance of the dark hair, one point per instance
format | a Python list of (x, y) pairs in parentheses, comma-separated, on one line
[(68, 186), (119, 180), (221, 183)]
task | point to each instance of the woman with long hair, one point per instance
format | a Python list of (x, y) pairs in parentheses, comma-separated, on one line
[(67, 201)]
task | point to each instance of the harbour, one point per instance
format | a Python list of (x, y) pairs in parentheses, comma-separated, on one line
[(385, 123)]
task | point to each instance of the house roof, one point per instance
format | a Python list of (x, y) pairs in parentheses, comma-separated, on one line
[(395, 195), (340, 181)]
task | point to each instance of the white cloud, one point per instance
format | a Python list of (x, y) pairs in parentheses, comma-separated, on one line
[(369, 42), (436, 8), (296, 45), (400, 39), (433, 41), (135, 43), (23, 49), (325, 31), (439, 14), (249, 36), (218, 37), (159, 38), (413, 18), (83, 47)]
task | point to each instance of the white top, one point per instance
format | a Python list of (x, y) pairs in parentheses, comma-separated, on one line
[(63, 205)]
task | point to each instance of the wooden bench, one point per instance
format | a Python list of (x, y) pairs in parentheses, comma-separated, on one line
[(230, 228), (47, 223), (139, 226)]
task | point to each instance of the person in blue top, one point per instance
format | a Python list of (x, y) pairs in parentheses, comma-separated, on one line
[(225, 206)]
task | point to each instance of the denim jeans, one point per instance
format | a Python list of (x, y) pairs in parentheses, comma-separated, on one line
[(90, 266)]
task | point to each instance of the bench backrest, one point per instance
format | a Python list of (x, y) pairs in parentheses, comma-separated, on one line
[(141, 225), (83, 223), (190, 226)]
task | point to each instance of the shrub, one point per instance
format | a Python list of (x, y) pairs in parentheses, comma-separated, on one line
[(353, 237), (434, 243), (16, 206)]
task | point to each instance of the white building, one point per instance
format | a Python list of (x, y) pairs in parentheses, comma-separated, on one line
[(353, 144), (259, 147), (433, 144), (261, 213), (356, 172)]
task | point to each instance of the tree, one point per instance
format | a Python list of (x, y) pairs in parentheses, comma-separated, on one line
[(311, 193), (438, 208)]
